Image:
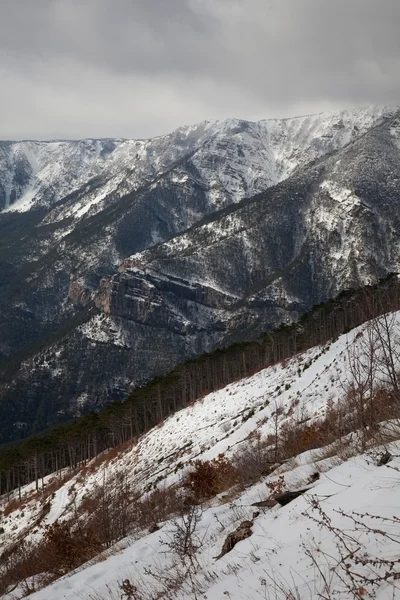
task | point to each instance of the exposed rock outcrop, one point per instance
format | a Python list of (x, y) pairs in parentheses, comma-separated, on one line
[(241, 533), (288, 496)]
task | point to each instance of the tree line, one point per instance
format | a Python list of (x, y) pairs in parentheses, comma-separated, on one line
[(74, 444)]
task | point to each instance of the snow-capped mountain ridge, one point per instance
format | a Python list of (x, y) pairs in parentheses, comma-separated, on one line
[(42, 173)]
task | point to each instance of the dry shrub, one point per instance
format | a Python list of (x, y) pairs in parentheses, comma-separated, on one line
[(383, 407), (114, 515), (253, 461), (373, 418), (276, 487), (108, 514), (104, 457), (64, 549), (89, 504), (389, 433), (298, 438), (294, 437), (16, 566), (210, 478), (115, 510), (357, 566), (342, 418), (11, 507), (158, 506)]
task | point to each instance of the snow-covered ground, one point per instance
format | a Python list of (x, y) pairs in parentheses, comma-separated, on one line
[(285, 540), (274, 555)]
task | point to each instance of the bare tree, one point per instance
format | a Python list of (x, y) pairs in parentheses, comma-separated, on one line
[(276, 420), (386, 331), (361, 363), (353, 569)]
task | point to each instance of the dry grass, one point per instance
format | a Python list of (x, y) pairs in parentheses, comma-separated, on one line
[(12, 506)]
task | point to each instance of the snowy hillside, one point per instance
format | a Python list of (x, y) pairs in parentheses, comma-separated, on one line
[(292, 548), (272, 563)]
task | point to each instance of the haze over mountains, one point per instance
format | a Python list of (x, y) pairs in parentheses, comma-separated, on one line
[(122, 258)]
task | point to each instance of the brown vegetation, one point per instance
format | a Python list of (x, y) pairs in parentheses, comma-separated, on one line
[(11, 507), (209, 478)]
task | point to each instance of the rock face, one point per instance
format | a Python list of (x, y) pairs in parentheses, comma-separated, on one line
[(289, 496), (241, 533), (121, 258)]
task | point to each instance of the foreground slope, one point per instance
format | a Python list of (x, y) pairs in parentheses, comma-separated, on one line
[(278, 556), (273, 562)]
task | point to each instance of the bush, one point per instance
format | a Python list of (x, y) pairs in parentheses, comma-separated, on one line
[(65, 549), (254, 461), (210, 478), (297, 438), (158, 506), (33, 565), (11, 507)]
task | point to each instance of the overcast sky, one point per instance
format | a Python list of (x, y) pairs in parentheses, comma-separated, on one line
[(138, 68)]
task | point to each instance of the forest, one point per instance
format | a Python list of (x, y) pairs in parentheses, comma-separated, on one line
[(74, 444)]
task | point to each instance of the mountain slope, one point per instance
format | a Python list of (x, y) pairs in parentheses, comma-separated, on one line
[(234, 265), (34, 174), (232, 421)]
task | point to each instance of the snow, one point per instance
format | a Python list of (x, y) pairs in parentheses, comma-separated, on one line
[(222, 422), (306, 138), (24, 203), (59, 503), (103, 328), (275, 551), (233, 158), (336, 192)]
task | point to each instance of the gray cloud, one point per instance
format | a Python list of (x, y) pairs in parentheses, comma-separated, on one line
[(137, 68)]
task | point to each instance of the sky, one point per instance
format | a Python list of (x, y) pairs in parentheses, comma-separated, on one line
[(139, 68)]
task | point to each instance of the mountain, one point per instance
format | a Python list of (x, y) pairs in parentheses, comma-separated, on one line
[(235, 156), (120, 259)]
